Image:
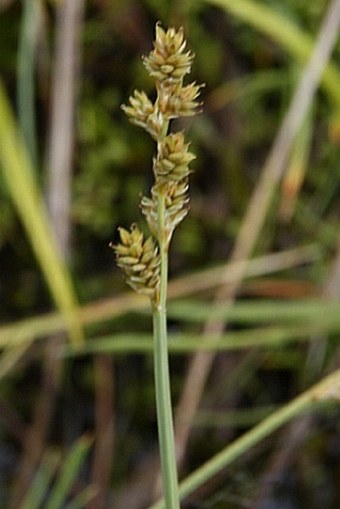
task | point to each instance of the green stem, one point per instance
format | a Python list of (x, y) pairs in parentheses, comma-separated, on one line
[(327, 388), (162, 377)]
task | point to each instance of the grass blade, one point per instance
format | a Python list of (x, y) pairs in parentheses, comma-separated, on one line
[(28, 202), (70, 469), (80, 501), (40, 484)]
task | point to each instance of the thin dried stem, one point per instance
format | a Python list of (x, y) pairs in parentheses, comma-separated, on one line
[(61, 140)]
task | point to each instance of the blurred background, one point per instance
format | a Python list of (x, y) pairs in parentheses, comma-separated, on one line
[(77, 419)]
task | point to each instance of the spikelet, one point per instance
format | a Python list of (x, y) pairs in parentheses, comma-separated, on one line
[(139, 260), (179, 101), (142, 112), (173, 158), (168, 62), (176, 206)]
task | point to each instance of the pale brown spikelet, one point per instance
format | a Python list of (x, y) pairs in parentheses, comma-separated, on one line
[(176, 206), (173, 158), (143, 113), (181, 102), (168, 62), (139, 259)]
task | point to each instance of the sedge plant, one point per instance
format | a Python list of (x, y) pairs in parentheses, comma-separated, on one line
[(144, 260)]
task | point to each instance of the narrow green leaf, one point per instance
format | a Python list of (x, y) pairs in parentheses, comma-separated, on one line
[(41, 483), (80, 501), (256, 311), (69, 472), (264, 337)]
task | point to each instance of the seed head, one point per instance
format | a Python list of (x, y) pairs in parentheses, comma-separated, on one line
[(168, 62), (173, 158), (176, 206), (180, 101), (142, 112), (139, 260)]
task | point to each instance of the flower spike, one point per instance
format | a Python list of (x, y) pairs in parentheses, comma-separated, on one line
[(168, 62), (139, 260)]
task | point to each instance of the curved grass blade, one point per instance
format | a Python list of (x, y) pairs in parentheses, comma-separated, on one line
[(70, 469), (41, 483), (325, 389), (80, 501), (28, 202)]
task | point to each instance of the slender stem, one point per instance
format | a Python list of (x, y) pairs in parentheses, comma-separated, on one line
[(162, 377)]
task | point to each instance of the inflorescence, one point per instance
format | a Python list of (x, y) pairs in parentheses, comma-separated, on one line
[(168, 64)]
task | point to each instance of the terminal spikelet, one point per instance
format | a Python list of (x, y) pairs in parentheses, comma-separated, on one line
[(168, 62)]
